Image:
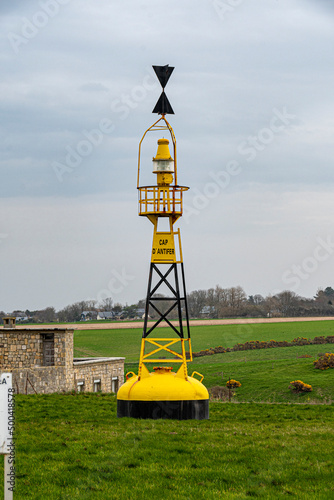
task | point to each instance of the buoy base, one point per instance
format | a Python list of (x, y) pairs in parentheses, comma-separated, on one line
[(178, 410)]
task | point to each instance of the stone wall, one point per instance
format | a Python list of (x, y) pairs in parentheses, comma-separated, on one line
[(23, 348), (42, 380), (105, 369), (21, 352), (63, 347), (19, 349)]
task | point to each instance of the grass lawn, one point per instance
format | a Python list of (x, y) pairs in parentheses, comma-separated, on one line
[(127, 342), (74, 447), (264, 374)]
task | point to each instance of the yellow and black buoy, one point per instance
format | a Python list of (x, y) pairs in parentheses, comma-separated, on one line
[(164, 392)]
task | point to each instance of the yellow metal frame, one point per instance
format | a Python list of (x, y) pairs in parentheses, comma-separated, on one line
[(156, 127), (181, 358), (165, 347), (162, 200), (159, 200)]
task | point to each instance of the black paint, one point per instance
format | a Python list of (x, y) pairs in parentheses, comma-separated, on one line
[(178, 410)]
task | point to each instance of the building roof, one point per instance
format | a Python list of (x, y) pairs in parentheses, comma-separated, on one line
[(106, 314)]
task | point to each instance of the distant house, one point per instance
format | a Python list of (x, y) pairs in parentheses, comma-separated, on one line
[(88, 315), (20, 316), (105, 315), (119, 315), (141, 312), (207, 311)]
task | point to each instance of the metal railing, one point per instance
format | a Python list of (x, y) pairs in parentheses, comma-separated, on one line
[(162, 200)]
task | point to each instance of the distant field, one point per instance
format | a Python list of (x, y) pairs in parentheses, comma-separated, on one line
[(126, 342), (73, 447), (264, 374), (121, 324)]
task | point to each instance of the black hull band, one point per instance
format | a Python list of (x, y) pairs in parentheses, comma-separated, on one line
[(178, 410)]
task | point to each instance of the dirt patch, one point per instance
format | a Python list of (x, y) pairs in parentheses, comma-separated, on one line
[(194, 322)]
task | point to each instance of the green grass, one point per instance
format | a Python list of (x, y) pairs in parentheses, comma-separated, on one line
[(264, 374), (127, 342), (124, 342), (74, 447)]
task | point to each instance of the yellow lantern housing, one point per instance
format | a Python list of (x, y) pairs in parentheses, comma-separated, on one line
[(163, 163)]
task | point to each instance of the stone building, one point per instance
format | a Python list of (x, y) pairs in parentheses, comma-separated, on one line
[(41, 361)]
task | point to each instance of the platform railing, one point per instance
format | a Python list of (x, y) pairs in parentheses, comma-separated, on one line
[(162, 200)]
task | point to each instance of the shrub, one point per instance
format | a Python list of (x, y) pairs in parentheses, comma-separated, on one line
[(222, 393), (300, 341), (219, 349), (233, 383), (257, 344), (325, 361), (299, 386), (320, 340)]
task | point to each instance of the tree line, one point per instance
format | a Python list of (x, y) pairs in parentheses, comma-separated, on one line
[(233, 302), (213, 303)]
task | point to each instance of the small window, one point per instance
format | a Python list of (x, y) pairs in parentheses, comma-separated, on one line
[(80, 386), (48, 349), (97, 385), (114, 384)]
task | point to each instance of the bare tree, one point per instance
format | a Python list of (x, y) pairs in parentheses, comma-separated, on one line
[(106, 304), (287, 303), (221, 301), (196, 302), (237, 301), (47, 315)]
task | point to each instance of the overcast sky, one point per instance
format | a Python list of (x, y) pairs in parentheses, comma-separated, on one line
[(252, 92)]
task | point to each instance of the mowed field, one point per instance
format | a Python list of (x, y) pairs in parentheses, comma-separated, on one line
[(268, 442), (126, 341), (264, 374), (73, 447)]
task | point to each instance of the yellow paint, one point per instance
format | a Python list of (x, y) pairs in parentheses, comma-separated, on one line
[(162, 385), (165, 345), (164, 178), (163, 248), (165, 199), (163, 152), (161, 200)]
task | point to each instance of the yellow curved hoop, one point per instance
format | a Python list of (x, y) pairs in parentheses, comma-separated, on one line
[(155, 127)]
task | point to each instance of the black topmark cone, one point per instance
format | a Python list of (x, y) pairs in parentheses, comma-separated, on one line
[(163, 106), (163, 73)]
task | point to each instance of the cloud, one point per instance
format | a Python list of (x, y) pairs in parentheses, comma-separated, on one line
[(79, 92), (325, 4), (7, 6), (93, 87)]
